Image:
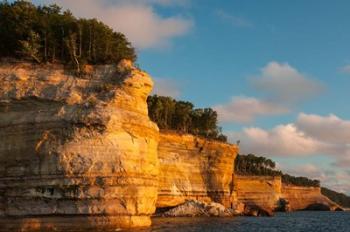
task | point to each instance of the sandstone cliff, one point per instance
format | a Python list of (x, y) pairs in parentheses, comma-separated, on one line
[(304, 198), (81, 151), (77, 146), (262, 191), (269, 193), (194, 168)]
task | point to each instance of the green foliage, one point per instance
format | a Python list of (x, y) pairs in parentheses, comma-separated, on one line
[(300, 181), (46, 34), (339, 198), (255, 165), (260, 166), (181, 116)]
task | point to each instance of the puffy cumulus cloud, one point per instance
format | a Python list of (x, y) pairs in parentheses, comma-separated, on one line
[(305, 137), (282, 140), (345, 69), (283, 83), (166, 87), (245, 109), (283, 87), (137, 19), (330, 128)]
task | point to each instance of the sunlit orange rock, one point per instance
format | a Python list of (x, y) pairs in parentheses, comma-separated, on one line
[(270, 193), (194, 168), (76, 151)]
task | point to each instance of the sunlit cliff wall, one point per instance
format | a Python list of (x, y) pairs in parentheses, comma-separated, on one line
[(263, 191), (194, 168), (268, 192), (78, 150), (303, 197)]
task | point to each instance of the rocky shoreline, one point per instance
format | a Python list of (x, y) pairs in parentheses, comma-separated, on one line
[(193, 208)]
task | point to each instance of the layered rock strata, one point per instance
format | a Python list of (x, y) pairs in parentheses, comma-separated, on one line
[(306, 198), (76, 151), (270, 194), (194, 168), (262, 191)]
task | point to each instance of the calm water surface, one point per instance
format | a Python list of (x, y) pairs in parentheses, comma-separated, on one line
[(282, 222)]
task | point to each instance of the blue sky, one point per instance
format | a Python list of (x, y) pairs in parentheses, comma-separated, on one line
[(277, 71)]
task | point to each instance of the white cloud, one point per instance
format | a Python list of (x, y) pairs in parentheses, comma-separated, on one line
[(309, 135), (345, 69), (166, 87), (283, 140), (245, 109), (330, 128), (283, 86), (286, 141), (232, 19), (281, 82), (136, 19)]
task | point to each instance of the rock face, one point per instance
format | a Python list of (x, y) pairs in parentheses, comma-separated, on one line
[(81, 147), (269, 194), (194, 168), (257, 211), (306, 198), (191, 208), (258, 191)]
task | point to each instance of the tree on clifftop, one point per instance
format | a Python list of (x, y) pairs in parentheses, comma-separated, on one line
[(181, 116), (46, 34), (261, 166)]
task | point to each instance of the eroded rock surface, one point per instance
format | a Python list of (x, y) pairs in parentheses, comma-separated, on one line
[(306, 198), (261, 191), (269, 194), (76, 147), (191, 208), (194, 168)]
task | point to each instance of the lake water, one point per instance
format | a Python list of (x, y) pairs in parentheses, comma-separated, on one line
[(306, 221)]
